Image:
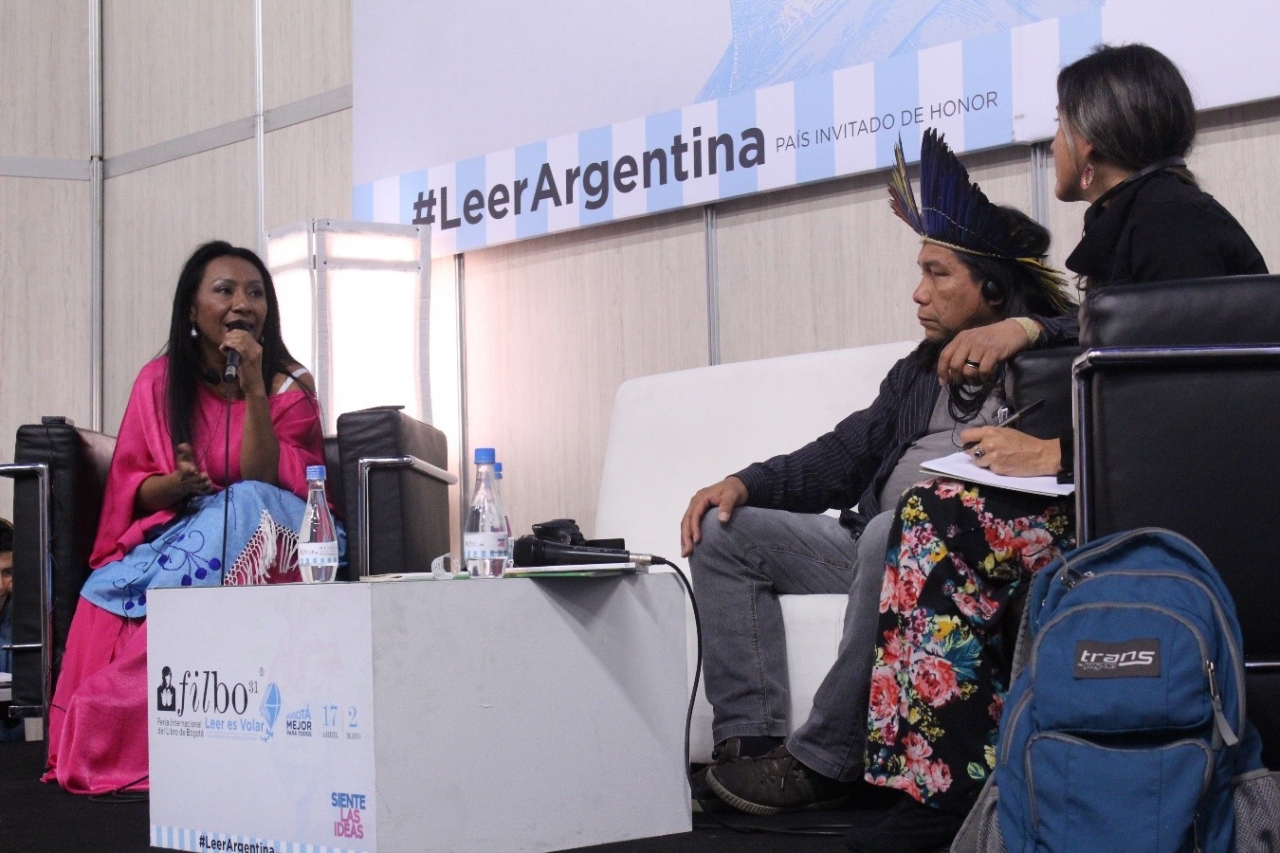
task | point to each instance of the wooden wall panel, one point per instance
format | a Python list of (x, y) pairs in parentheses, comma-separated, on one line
[(44, 79), (1237, 160), (308, 170), (154, 219), (829, 266), (174, 67), (554, 326), (44, 327), (306, 48)]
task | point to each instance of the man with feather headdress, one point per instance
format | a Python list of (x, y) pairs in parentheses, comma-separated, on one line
[(985, 293)]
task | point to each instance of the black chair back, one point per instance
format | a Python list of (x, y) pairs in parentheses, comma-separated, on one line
[(1178, 396)]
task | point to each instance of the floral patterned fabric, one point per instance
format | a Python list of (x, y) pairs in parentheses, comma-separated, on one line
[(958, 558)]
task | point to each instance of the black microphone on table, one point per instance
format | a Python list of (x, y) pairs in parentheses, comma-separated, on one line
[(532, 551), (232, 369)]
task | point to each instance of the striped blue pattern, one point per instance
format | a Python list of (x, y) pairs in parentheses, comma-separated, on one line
[(734, 115), (986, 65), (659, 130), (470, 178), (362, 203), (595, 146), (815, 114), (529, 160), (411, 184), (897, 89), (1078, 34)]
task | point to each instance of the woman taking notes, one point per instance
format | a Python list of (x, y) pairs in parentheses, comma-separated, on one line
[(955, 566)]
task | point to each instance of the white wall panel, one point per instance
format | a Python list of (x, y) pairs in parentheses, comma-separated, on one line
[(306, 49), (44, 79), (553, 327), (174, 67), (44, 327), (154, 220), (308, 170)]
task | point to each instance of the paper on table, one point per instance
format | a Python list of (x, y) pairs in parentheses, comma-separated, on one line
[(961, 467)]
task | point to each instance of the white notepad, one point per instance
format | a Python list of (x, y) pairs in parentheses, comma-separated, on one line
[(960, 466)]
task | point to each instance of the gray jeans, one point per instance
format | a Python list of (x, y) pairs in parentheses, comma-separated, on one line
[(739, 570)]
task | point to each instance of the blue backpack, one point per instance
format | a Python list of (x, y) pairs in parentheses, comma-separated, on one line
[(1126, 729)]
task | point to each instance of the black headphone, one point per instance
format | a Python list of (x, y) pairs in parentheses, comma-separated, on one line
[(992, 292)]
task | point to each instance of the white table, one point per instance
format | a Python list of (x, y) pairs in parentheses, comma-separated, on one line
[(494, 715)]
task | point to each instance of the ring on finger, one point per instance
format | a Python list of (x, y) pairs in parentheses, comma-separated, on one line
[(978, 453), (968, 362)]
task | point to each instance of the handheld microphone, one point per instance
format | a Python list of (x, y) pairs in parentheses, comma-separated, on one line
[(532, 551), (232, 370)]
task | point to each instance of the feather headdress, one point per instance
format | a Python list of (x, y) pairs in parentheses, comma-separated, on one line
[(956, 214)]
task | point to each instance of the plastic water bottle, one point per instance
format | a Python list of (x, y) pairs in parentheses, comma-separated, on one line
[(317, 540), (506, 514), (484, 538)]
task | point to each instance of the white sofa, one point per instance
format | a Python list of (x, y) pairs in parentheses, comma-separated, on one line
[(674, 433)]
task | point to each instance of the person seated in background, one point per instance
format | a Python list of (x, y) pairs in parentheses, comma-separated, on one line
[(10, 730), (961, 555), (760, 533), (207, 486)]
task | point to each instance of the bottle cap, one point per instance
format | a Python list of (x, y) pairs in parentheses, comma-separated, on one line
[(315, 472), (485, 456)]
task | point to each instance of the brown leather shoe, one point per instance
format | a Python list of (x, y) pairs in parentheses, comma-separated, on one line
[(774, 783)]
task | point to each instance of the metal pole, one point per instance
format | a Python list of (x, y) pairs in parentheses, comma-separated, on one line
[(464, 441), (1040, 175), (713, 285), (96, 178), (40, 471), (259, 135)]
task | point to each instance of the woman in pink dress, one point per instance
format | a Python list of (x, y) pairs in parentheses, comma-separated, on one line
[(207, 486)]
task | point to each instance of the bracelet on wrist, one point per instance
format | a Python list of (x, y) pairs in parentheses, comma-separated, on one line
[(1031, 327)]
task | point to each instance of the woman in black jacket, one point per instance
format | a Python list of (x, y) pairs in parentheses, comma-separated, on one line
[(960, 554), (1126, 120)]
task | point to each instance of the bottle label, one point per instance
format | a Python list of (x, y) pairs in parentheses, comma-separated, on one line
[(317, 553), (484, 546)]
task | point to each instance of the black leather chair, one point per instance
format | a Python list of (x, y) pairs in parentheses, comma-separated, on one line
[(1178, 400), (1042, 374), (397, 521)]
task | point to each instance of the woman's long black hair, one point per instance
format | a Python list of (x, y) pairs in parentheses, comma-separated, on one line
[(183, 350)]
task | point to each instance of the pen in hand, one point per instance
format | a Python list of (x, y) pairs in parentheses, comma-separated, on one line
[(1025, 410)]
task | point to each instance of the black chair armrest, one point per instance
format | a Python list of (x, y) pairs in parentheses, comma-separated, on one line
[(63, 510), (1042, 374), (336, 483), (408, 514)]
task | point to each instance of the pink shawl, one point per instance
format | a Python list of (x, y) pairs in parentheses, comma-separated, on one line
[(145, 448)]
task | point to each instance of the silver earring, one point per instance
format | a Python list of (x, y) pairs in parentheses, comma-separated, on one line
[(194, 333)]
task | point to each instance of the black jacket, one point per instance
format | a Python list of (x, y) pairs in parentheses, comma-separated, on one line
[(1160, 228), (1157, 228)]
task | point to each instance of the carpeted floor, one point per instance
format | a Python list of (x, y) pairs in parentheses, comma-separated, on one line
[(40, 818)]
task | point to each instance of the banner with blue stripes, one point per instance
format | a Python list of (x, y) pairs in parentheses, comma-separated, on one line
[(992, 89)]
